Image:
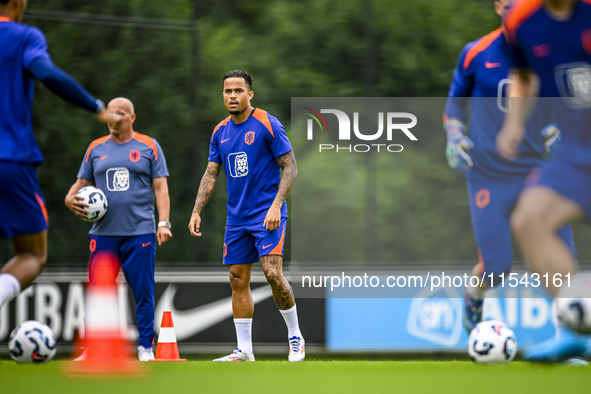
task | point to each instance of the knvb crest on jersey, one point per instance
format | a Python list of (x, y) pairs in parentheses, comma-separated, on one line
[(249, 137), (394, 122), (135, 155)]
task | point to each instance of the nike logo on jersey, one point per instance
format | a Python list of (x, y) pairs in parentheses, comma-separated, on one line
[(266, 246), (103, 157), (492, 65), (225, 140), (144, 245), (193, 321)]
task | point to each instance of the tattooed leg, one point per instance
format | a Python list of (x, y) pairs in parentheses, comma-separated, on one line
[(282, 293)]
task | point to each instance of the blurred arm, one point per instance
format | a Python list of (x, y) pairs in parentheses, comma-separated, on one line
[(63, 85), (524, 97)]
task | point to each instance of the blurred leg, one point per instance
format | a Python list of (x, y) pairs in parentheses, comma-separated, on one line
[(540, 213), (31, 254)]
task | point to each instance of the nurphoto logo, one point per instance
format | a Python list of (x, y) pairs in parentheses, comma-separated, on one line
[(396, 124)]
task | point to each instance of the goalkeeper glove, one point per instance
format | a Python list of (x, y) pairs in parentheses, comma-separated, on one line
[(552, 136), (457, 145)]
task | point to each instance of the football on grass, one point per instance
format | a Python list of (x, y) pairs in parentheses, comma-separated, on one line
[(492, 342), (32, 342)]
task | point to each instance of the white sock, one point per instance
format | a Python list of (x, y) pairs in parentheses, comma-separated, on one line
[(476, 293), (244, 334), (9, 286), (291, 320)]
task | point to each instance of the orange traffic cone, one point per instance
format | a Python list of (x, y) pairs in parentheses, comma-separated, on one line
[(167, 349), (106, 351)]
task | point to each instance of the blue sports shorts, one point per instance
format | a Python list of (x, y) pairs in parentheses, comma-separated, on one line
[(491, 205), (245, 244), (22, 208), (571, 180)]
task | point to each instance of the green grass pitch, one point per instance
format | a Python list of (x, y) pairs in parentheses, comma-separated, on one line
[(307, 377)]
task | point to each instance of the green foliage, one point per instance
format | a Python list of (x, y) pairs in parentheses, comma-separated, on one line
[(308, 48)]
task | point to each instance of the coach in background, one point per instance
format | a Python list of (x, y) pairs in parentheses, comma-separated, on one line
[(130, 169), (23, 217)]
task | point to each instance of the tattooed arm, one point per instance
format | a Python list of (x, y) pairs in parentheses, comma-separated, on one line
[(287, 162), (206, 189)]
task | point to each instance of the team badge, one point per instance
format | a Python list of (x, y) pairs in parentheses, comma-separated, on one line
[(482, 198), (117, 179), (542, 50), (249, 137), (238, 164), (586, 41), (574, 83), (134, 155)]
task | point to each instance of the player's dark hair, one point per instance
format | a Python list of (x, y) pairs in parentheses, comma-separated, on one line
[(4, 1), (239, 74)]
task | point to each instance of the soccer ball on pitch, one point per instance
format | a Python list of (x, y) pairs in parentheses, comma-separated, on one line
[(573, 304), (492, 342), (32, 342), (97, 202)]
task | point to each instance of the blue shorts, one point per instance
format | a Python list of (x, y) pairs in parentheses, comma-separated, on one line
[(137, 255), (570, 180), (22, 208), (491, 205), (245, 244)]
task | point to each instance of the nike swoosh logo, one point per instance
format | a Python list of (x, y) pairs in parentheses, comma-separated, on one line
[(193, 321), (103, 157), (225, 140), (492, 65), (144, 245), (265, 247)]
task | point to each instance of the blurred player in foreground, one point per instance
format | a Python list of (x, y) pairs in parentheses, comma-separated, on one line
[(550, 43), (130, 169), (260, 167), (23, 217), (493, 183)]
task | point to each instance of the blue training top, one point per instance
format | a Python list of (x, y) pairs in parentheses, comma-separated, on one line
[(560, 53), (24, 58), (248, 152), (124, 172), (482, 74)]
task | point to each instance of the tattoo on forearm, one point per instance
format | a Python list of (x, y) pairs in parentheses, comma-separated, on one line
[(287, 162), (207, 187), (282, 292)]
